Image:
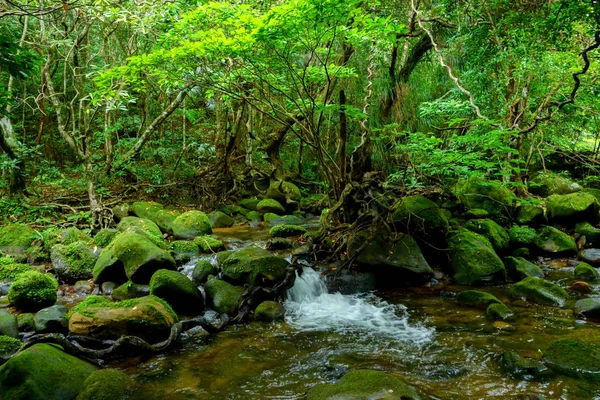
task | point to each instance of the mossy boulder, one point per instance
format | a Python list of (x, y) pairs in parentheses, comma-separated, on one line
[(130, 290), (190, 225), (240, 210), (107, 384), (8, 346), (314, 203), (253, 266), (17, 237), (589, 308), (177, 290), (164, 220), (202, 270), (477, 299), (8, 324), (250, 204), (591, 233), (547, 183), (33, 290), (364, 384), (499, 312), (572, 208), (518, 366), (574, 358), (43, 372), (492, 196), (530, 215), (72, 235), (270, 206), (223, 297), (51, 319), (284, 231), (10, 269), (104, 237), (493, 232), (121, 211), (540, 291), (585, 272), (418, 216), (26, 322), (522, 236), (282, 191), (146, 209), (519, 268), (553, 241), (219, 219), (144, 227), (254, 216), (131, 256), (149, 318), (274, 219), (269, 311), (184, 250), (473, 259), (73, 262), (476, 213), (279, 244), (208, 244)]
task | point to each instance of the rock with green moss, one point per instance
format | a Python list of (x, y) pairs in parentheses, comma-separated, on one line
[(223, 297), (585, 272), (530, 215), (589, 308), (499, 312), (72, 235), (121, 211), (274, 220), (547, 183), (164, 219), (420, 217), (284, 231), (73, 262), (8, 346), (8, 324), (239, 210), (105, 236), (574, 358), (540, 291), (522, 236), (270, 206), (551, 240), (253, 266), (254, 216), (184, 250), (131, 256), (591, 233), (518, 366), (493, 232), (146, 209), (33, 290), (519, 268), (190, 225), (17, 237), (279, 244), (492, 196), (107, 384), (269, 311), (209, 244), (219, 219), (144, 227), (9, 269), (473, 259), (43, 372), (130, 290), (314, 203), (364, 384), (26, 322), (177, 290), (249, 204), (282, 191), (149, 318), (572, 208), (477, 299), (202, 270), (476, 213), (51, 320)]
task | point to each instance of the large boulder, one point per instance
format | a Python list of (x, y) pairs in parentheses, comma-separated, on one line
[(149, 318), (591, 233), (107, 384), (493, 232), (164, 219), (105, 236), (43, 372), (285, 231), (269, 311), (218, 219), (177, 290), (519, 268), (283, 191), (530, 215), (589, 308), (223, 297), (33, 290), (146, 209), (8, 324), (191, 224), (574, 358), (253, 266), (553, 241), (418, 216), (270, 206), (540, 291), (17, 237), (547, 183), (492, 196), (473, 259), (522, 236), (572, 208), (364, 384), (202, 270), (131, 256), (51, 319), (144, 227), (249, 204), (208, 244), (73, 262)]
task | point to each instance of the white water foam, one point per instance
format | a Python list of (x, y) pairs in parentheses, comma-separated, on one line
[(310, 307)]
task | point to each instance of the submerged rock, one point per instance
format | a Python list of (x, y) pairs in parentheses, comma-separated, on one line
[(190, 225), (589, 308), (540, 291), (107, 384), (519, 268), (269, 311), (571, 208), (254, 266), (475, 298), (493, 232), (223, 297), (33, 290), (574, 358), (521, 367), (177, 290), (553, 241), (474, 260)]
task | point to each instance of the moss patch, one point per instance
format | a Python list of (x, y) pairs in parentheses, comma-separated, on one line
[(9, 344), (574, 358), (190, 225), (284, 231), (33, 291), (539, 291), (209, 244), (17, 236)]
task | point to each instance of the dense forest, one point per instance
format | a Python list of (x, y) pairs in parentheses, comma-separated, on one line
[(417, 175)]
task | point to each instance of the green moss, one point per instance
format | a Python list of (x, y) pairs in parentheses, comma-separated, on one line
[(86, 307), (208, 244), (9, 345), (249, 204), (519, 268), (177, 290), (282, 190), (574, 358), (33, 290), (184, 247), (284, 231), (269, 311), (493, 232), (104, 237), (202, 270), (144, 227), (254, 216), (73, 262), (130, 290), (273, 219), (223, 296), (72, 235), (253, 266), (191, 224), (499, 312), (591, 233), (474, 259), (107, 384), (572, 208), (476, 213), (17, 236), (530, 215), (492, 196), (218, 219), (9, 269), (164, 219), (517, 366), (585, 272), (521, 236), (475, 298), (539, 291), (546, 183), (146, 209), (417, 215), (551, 240), (270, 206)]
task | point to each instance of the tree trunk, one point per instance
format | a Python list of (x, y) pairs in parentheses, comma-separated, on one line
[(11, 146)]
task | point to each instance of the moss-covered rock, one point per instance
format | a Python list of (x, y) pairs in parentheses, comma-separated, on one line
[(184, 250), (26, 322), (73, 262), (191, 224), (177, 290), (130, 290), (518, 366), (418, 216), (33, 290), (149, 318), (131, 256), (314, 203), (17, 237), (107, 384), (522, 236), (270, 206), (547, 183), (51, 319), (585, 272), (164, 219), (104, 237), (219, 219), (279, 244), (239, 210), (8, 346), (8, 324), (492, 196), (364, 384), (591, 233), (208, 244), (519, 268), (476, 213), (499, 312), (249, 204), (477, 299), (223, 297), (202, 270), (590, 256), (254, 216), (146, 209), (269, 311), (284, 231), (274, 219), (281, 191), (473, 259), (540, 291), (589, 308), (553, 241), (143, 227), (530, 215), (10, 269), (572, 208), (121, 211), (72, 235), (493, 232), (574, 358), (43, 372), (254, 266)]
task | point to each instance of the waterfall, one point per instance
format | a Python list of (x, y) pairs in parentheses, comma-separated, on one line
[(310, 307)]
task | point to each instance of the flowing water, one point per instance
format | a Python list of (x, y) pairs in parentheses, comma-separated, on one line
[(421, 335)]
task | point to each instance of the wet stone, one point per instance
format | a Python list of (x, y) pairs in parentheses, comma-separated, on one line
[(590, 256)]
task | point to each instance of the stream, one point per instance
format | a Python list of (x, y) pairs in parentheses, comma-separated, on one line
[(420, 334)]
